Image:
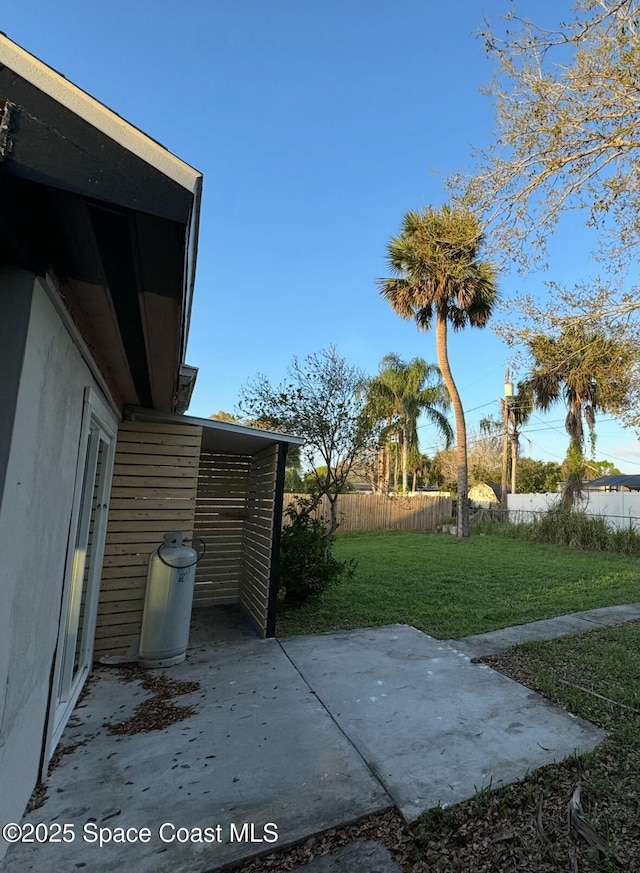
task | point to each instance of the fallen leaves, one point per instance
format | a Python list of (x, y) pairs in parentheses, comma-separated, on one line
[(156, 712)]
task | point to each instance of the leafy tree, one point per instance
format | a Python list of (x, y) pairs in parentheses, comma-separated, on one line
[(227, 417), (399, 394), (324, 401), (596, 310), (590, 372), (293, 483), (568, 138), (420, 467), (438, 276), (602, 468), (292, 472), (538, 477), (568, 123)]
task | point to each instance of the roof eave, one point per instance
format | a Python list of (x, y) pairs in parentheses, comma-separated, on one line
[(95, 113)]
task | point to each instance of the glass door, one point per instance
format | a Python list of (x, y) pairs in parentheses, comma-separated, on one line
[(85, 562)]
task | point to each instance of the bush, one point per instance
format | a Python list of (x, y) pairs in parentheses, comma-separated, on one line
[(307, 565)]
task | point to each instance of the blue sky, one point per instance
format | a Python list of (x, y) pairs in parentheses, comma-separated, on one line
[(317, 124)]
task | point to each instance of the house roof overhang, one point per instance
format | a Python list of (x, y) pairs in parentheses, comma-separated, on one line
[(111, 214), (220, 436)]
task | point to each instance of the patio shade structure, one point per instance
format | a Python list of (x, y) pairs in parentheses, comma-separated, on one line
[(218, 481)]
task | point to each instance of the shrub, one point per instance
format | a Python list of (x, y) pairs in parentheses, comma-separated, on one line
[(307, 565), (566, 527)]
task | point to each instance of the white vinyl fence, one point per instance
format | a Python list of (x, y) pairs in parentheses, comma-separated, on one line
[(619, 508)]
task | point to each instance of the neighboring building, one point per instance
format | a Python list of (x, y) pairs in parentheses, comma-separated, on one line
[(618, 482), (98, 240)]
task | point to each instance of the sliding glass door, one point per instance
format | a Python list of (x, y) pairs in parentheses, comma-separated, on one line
[(84, 565)]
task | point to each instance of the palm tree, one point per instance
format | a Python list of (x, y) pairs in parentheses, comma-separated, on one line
[(419, 465), (519, 409), (590, 371), (438, 274), (400, 393)]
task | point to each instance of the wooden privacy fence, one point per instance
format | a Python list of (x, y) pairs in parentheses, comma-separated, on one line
[(368, 512)]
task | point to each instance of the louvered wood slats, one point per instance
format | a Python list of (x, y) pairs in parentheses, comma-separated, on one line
[(154, 492)]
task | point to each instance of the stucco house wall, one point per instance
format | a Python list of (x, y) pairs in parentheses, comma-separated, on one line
[(49, 377)]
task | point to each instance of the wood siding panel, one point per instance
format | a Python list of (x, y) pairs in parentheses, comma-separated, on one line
[(220, 512), (154, 492), (258, 535)]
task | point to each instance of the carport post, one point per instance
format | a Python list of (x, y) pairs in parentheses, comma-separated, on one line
[(274, 572)]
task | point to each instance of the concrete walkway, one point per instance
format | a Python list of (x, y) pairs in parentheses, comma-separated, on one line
[(480, 645)]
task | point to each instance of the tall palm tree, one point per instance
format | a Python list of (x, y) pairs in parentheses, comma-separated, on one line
[(400, 393), (438, 275), (519, 410), (590, 371)]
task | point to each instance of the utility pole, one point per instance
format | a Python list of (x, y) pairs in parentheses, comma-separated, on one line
[(514, 457), (506, 400)]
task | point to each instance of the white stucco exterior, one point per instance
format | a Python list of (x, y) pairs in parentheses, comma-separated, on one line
[(35, 518)]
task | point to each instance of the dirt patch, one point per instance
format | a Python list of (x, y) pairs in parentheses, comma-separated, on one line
[(387, 828), (156, 712)]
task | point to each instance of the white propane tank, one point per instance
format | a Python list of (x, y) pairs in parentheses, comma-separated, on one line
[(167, 604)]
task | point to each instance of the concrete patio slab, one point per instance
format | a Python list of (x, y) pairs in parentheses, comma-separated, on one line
[(433, 727), (260, 749)]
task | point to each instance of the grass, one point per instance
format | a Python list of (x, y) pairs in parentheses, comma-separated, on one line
[(450, 588), (524, 826), (563, 527)]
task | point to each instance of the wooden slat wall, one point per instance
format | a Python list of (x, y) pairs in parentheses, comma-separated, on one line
[(153, 492), (221, 508), (258, 535), (368, 512)]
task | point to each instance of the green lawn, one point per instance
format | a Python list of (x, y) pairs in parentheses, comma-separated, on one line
[(450, 588)]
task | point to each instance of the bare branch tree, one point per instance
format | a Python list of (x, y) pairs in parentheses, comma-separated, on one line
[(568, 132), (323, 400)]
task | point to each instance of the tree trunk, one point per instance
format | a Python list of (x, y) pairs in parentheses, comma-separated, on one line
[(380, 472), (575, 458), (514, 460), (388, 462), (413, 484), (396, 454), (405, 476), (333, 517), (462, 529)]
